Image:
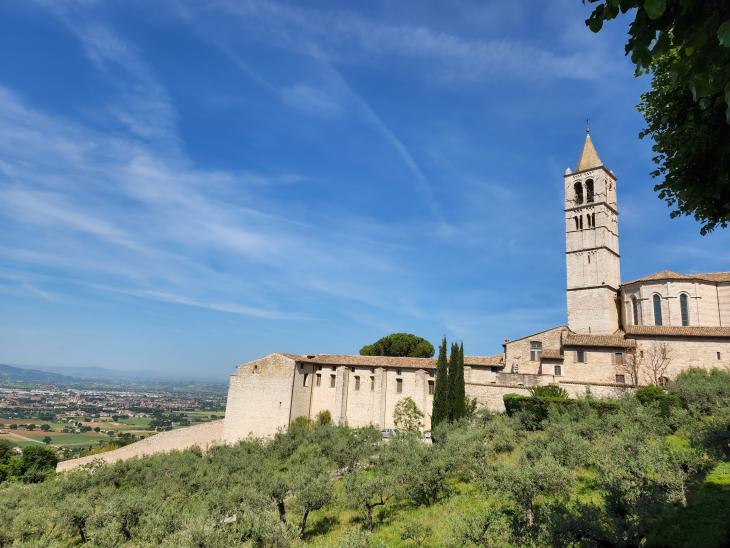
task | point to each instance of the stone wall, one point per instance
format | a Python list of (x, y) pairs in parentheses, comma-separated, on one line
[(200, 435), (259, 398), (517, 352)]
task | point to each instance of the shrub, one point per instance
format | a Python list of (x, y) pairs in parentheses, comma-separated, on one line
[(549, 391), (702, 391), (399, 344), (532, 411), (653, 395), (323, 418)]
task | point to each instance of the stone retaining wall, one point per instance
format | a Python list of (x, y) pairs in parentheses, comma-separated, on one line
[(201, 435)]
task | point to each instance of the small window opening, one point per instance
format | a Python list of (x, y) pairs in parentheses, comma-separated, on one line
[(306, 380), (399, 386), (718, 355), (657, 309), (332, 381), (618, 358), (577, 223), (397, 371), (535, 351), (558, 371), (578, 193), (684, 307), (635, 308), (580, 221), (621, 379), (589, 191), (319, 379), (580, 356), (357, 383), (372, 384), (430, 388)]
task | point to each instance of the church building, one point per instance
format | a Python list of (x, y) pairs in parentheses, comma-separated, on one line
[(618, 335)]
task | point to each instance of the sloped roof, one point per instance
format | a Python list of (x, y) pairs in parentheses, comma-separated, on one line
[(588, 156), (678, 331), (616, 340), (551, 354), (669, 275), (389, 361)]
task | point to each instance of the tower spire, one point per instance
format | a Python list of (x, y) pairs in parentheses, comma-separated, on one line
[(588, 156)]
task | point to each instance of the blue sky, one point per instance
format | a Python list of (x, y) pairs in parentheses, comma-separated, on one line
[(185, 186)]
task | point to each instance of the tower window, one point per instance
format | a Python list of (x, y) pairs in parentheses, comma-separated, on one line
[(589, 191), (636, 310), (535, 351), (684, 306), (578, 193), (657, 309)]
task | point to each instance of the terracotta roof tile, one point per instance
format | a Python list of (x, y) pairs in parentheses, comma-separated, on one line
[(388, 361), (669, 275), (552, 354), (678, 331), (616, 340)]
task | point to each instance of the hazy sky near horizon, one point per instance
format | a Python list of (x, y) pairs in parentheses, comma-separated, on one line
[(188, 185)]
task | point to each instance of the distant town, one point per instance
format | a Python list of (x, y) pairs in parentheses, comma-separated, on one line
[(79, 421)]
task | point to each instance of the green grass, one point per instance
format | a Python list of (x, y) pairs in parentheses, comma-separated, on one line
[(69, 440), (706, 519)]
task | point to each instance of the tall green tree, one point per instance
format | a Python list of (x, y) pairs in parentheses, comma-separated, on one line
[(399, 345), (686, 45), (440, 410), (459, 408), (452, 382)]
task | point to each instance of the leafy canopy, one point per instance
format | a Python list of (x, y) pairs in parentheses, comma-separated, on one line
[(686, 45), (399, 345)]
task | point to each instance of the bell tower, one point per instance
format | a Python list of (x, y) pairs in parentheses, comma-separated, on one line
[(591, 245)]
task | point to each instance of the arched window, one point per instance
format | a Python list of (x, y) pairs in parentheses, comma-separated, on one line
[(636, 310), (589, 191), (577, 225), (578, 193), (657, 309), (684, 306)]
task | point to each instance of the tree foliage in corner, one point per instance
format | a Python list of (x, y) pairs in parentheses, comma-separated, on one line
[(686, 45), (400, 345)]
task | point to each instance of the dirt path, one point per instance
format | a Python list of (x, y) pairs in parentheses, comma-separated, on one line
[(18, 437)]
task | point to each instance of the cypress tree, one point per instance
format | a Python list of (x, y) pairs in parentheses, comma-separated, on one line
[(439, 412), (452, 382), (459, 402)]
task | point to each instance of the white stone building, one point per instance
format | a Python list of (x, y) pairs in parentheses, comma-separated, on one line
[(618, 335)]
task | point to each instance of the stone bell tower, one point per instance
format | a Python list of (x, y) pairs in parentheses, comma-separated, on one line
[(591, 245)]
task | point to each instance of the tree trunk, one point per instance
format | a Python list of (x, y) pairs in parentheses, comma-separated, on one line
[(370, 517), (304, 523), (530, 518), (282, 510), (82, 534)]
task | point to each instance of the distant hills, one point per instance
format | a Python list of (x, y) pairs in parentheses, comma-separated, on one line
[(9, 373)]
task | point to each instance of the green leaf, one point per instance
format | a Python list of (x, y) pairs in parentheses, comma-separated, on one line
[(655, 8), (723, 34)]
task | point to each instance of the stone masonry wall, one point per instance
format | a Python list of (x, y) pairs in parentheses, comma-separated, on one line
[(200, 435)]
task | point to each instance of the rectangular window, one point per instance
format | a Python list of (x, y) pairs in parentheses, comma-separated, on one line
[(357, 383), (332, 380), (618, 358), (372, 384), (306, 379), (319, 379), (620, 379), (430, 388), (580, 356), (718, 355), (352, 369), (535, 351), (397, 371), (399, 386), (558, 370)]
